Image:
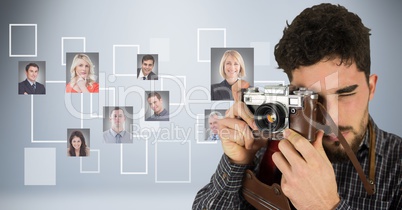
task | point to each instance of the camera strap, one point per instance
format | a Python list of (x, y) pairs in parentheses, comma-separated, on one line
[(372, 157), (367, 183)]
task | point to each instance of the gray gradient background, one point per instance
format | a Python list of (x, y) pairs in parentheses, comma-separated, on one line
[(121, 22)]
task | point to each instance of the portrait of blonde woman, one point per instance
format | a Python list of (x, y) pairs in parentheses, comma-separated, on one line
[(232, 68), (82, 75)]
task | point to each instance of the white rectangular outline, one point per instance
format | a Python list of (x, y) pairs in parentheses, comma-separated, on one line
[(198, 40), (146, 158), (32, 128), (62, 46), (32, 118), (91, 103), (91, 172), (189, 161), (36, 40), (56, 82), (114, 60), (184, 89), (196, 131), (82, 110)]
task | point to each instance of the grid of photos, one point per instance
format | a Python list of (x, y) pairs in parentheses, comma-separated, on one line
[(228, 65)]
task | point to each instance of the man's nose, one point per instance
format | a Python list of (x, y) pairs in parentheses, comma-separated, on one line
[(331, 104)]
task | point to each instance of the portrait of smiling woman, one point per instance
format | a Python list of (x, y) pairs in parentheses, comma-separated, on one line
[(83, 78), (77, 146), (231, 68)]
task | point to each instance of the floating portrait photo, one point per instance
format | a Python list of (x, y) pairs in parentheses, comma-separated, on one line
[(147, 67), (157, 106), (78, 142), (117, 122), (229, 65), (211, 124), (31, 77), (82, 72)]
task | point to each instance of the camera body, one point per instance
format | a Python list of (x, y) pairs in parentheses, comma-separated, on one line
[(279, 107)]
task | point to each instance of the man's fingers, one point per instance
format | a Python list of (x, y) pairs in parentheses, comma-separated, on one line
[(318, 144), (234, 136), (289, 152), (240, 110), (281, 163), (301, 144), (241, 133), (236, 89), (318, 140)]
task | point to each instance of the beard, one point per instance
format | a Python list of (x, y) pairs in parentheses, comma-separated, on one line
[(335, 151)]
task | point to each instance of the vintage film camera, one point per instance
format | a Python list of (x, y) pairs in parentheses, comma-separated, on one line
[(280, 107)]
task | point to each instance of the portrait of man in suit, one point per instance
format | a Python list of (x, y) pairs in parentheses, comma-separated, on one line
[(148, 63), (30, 85)]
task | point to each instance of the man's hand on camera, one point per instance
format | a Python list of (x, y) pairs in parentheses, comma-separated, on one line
[(235, 130), (237, 87), (308, 178), (236, 136)]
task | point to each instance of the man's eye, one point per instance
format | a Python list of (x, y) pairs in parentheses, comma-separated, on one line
[(347, 94)]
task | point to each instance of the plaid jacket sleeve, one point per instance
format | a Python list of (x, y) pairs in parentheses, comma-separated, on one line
[(224, 189)]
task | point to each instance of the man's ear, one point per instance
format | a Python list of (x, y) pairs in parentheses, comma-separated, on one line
[(372, 85)]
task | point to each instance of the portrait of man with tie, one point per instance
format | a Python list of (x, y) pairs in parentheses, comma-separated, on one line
[(116, 120), (147, 67), (211, 129), (30, 71)]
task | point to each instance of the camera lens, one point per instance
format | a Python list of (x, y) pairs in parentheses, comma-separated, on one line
[(270, 117)]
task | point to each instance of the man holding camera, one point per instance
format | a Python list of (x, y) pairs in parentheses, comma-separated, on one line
[(325, 49)]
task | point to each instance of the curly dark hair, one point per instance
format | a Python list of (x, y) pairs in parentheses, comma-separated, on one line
[(324, 31)]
